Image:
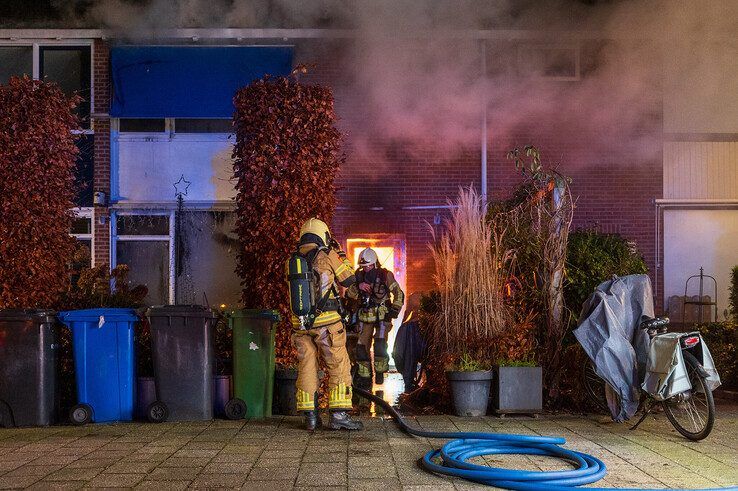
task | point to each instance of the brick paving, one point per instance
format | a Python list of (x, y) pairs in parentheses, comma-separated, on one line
[(277, 454)]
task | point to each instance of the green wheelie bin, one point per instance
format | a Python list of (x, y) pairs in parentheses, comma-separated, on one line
[(253, 362)]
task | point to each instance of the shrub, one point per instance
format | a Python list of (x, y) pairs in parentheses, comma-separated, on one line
[(734, 294), (37, 162), (285, 159), (593, 257), (471, 270), (722, 340)]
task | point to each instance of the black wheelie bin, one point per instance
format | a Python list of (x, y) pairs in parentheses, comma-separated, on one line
[(28, 354), (183, 355)]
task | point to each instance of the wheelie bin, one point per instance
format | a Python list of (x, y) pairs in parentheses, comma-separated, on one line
[(104, 364), (253, 363), (28, 348), (183, 354)]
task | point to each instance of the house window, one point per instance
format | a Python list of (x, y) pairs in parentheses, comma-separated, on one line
[(550, 62), (84, 170), (82, 231), (143, 125), (206, 258), (182, 125), (69, 66), (15, 61), (143, 241)]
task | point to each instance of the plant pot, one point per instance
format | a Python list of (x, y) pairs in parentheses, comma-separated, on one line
[(518, 390), (470, 391), (145, 395), (285, 401), (221, 394)]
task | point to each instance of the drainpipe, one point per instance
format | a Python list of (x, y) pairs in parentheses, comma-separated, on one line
[(483, 187)]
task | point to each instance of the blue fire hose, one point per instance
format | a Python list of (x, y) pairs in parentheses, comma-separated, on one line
[(455, 456)]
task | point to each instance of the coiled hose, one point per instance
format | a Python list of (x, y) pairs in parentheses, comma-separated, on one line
[(466, 445)]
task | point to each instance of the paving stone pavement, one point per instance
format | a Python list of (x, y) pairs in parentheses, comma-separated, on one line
[(277, 454)]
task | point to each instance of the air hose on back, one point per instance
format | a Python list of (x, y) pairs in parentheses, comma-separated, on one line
[(463, 446)]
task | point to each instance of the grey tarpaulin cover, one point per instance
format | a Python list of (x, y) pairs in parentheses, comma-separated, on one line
[(608, 332)]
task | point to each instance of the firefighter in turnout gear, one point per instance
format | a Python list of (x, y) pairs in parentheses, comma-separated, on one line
[(380, 301), (320, 261)]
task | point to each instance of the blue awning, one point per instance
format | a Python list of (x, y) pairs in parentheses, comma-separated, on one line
[(188, 81)]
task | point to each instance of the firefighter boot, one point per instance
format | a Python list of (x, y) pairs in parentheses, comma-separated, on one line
[(342, 420), (312, 420)]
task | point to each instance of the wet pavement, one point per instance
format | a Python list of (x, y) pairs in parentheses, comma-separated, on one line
[(277, 454)]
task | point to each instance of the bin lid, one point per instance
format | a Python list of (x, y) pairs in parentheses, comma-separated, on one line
[(180, 311), (24, 315), (271, 315), (93, 315)]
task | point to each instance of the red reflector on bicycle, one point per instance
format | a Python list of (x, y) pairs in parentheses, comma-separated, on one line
[(691, 341)]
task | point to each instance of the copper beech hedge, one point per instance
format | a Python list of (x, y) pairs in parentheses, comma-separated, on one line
[(37, 161), (286, 155)]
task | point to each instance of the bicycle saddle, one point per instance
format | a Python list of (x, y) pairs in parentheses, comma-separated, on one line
[(654, 323)]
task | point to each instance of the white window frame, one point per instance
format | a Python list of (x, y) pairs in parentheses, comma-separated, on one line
[(575, 46), (114, 238), (86, 212)]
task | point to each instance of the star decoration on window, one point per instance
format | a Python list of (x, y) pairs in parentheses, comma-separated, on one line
[(180, 187)]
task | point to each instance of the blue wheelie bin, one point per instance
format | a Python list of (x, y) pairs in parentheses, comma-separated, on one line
[(104, 363)]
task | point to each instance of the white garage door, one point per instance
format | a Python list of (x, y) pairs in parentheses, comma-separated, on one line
[(700, 238)]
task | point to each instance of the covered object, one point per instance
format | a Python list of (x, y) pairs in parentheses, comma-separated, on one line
[(608, 331)]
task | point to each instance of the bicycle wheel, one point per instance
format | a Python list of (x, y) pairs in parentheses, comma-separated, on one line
[(692, 413), (594, 386)]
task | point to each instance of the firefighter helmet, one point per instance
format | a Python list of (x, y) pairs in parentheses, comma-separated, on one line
[(368, 257), (313, 230)]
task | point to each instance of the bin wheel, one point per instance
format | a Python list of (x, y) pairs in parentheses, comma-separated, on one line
[(235, 409), (157, 412), (81, 414)]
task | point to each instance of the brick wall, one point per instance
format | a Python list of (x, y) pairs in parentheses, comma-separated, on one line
[(614, 187), (101, 125), (614, 190)]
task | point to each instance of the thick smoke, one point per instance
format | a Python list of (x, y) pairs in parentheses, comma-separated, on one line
[(424, 71)]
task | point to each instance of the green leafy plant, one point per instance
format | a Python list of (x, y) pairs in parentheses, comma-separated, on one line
[(734, 293), (538, 217), (516, 363), (286, 157), (722, 340), (467, 363), (593, 257)]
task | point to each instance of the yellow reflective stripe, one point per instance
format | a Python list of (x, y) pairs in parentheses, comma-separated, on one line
[(363, 370), (305, 401), (381, 364), (340, 397), (327, 318), (323, 319), (342, 269)]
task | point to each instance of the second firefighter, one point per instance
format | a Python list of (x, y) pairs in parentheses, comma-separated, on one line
[(381, 300)]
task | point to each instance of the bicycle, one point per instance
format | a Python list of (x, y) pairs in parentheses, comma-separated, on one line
[(692, 412)]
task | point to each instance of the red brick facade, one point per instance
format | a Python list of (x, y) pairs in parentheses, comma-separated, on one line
[(101, 126), (614, 194)]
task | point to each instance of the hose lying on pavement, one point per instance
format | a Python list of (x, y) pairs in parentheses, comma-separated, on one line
[(466, 445)]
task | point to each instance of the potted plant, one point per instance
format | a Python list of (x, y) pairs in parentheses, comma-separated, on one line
[(469, 312), (470, 381), (518, 387)]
